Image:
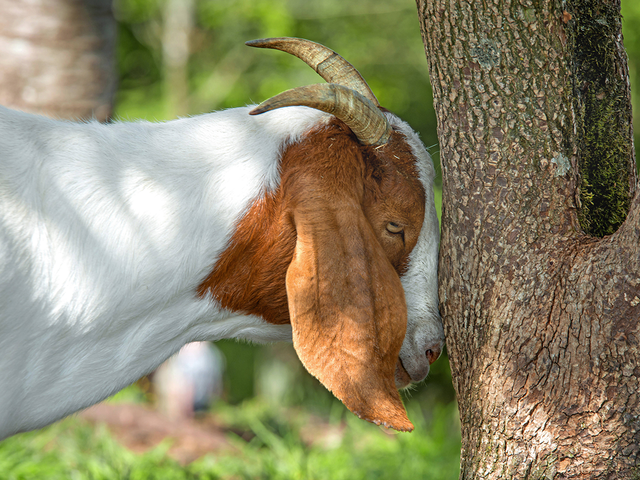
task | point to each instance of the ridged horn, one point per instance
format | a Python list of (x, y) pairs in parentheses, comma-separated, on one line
[(327, 63), (364, 118)]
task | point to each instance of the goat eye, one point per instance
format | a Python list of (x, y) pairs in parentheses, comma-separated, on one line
[(394, 227)]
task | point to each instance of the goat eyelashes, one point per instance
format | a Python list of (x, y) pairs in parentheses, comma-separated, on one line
[(121, 243)]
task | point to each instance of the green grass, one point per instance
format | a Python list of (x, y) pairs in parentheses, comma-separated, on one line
[(74, 450)]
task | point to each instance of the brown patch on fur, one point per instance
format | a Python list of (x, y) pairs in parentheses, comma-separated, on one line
[(316, 253), (249, 276)]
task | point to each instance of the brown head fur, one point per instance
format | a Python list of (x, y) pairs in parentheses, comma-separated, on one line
[(316, 253)]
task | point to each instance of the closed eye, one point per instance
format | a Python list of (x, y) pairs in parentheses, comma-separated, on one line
[(393, 227)]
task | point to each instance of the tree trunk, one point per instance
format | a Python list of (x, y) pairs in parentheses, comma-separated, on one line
[(178, 18), (541, 318), (58, 57)]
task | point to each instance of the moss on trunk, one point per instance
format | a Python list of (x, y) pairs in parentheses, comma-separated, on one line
[(603, 114)]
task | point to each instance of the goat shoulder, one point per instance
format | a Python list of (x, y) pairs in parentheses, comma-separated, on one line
[(105, 233)]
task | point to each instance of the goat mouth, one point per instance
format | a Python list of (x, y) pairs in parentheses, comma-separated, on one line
[(402, 377)]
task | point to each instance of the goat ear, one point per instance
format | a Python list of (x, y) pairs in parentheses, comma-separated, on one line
[(348, 311)]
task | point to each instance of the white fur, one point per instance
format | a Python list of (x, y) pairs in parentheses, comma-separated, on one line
[(105, 233), (420, 281), (107, 230)]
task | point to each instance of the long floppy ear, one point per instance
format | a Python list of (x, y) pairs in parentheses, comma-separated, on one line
[(348, 311)]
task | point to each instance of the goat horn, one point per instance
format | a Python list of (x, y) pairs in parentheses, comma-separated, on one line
[(366, 120), (327, 63)]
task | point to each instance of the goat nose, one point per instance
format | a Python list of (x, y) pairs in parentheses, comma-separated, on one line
[(433, 353)]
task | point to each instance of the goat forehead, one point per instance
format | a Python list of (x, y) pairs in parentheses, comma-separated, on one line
[(396, 169), (419, 278), (421, 160)]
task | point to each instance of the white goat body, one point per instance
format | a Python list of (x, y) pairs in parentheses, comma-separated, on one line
[(106, 231)]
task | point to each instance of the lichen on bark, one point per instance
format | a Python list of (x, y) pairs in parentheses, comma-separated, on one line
[(602, 114)]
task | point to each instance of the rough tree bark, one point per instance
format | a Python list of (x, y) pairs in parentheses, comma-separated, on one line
[(541, 318), (58, 57)]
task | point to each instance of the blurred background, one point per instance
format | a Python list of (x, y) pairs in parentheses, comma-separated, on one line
[(186, 57)]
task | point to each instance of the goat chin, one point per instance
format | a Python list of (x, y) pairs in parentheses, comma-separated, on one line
[(121, 243)]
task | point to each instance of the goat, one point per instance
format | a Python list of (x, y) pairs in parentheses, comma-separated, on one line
[(120, 243)]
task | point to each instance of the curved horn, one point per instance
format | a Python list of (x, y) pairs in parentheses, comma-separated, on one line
[(327, 63), (366, 120)]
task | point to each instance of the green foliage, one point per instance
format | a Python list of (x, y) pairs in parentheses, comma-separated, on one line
[(380, 37), (630, 22), (365, 452), (240, 373), (73, 450)]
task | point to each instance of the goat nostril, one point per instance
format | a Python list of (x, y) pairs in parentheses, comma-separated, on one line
[(433, 354)]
